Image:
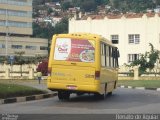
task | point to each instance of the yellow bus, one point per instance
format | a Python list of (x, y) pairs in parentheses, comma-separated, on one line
[(82, 63)]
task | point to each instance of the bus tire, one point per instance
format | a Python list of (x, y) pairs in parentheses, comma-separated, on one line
[(105, 91), (62, 95), (66, 96), (109, 93), (99, 96), (79, 93), (115, 84)]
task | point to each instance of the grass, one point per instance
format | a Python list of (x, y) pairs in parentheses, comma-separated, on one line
[(140, 83), (13, 90)]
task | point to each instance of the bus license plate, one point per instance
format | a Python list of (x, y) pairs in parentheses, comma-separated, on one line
[(71, 87)]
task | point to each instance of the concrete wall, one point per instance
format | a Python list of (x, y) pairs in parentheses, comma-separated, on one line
[(29, 72), (14, 72)]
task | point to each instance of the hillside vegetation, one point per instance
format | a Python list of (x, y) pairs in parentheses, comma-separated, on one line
[(120, 5)]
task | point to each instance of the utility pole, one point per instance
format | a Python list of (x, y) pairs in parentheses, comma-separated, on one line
[(7, 30)]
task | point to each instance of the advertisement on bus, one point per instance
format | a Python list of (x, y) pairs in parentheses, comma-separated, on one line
[(67, 49)]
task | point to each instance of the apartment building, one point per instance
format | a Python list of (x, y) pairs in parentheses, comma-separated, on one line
[(131, 33), (16, 29)]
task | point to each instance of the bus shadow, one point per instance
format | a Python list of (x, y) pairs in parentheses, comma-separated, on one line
[(122, 99), (86, 98)]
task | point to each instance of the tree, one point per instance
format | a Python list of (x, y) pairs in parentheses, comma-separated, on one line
[(99, 2), (77, 3), (106, 2), (114, 3), (132, 5), (62, 26), (43, 67), (49, 10), (147, 60), (66, 5), (157, 2), (43, 30), (46, 30), (89, 5), (153, 57), (55, 0), (37, 2)]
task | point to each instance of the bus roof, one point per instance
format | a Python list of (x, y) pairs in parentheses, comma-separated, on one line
[(85, 35)]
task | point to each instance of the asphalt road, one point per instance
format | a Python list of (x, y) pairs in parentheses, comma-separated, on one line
[(122, 101)]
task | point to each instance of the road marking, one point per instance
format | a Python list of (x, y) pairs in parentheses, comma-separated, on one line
[(130, 87), (1, 101), (140, 88), (122, 86), (158, 89)]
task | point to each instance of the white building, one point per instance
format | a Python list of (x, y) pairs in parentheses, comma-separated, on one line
[(131, 33)]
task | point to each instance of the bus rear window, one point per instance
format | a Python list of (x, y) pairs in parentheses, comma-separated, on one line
[(67, 49)]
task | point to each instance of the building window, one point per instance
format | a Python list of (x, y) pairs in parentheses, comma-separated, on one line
[(19, 24), (43, 48), (2, 23), (16, 13), (2, 46), (16, 2), (114, 39), (16, 24), (16, 46), (134, 38), (133, 57), (31, 47)]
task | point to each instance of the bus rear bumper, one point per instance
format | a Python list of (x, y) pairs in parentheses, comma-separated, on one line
[(93, 88)]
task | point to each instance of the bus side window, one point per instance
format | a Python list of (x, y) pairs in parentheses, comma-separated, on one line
[(103, 55), (107, 56), (111, 57)]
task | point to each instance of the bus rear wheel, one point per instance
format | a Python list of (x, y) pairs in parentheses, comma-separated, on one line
[(99, 96), (63, 95), (109, 93), (79, 93)]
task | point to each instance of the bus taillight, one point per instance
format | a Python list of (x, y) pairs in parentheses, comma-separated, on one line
[(49, 71), (97, 75)]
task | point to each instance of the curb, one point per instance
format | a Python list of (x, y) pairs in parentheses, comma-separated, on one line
[(27, 98), (139, 88)]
